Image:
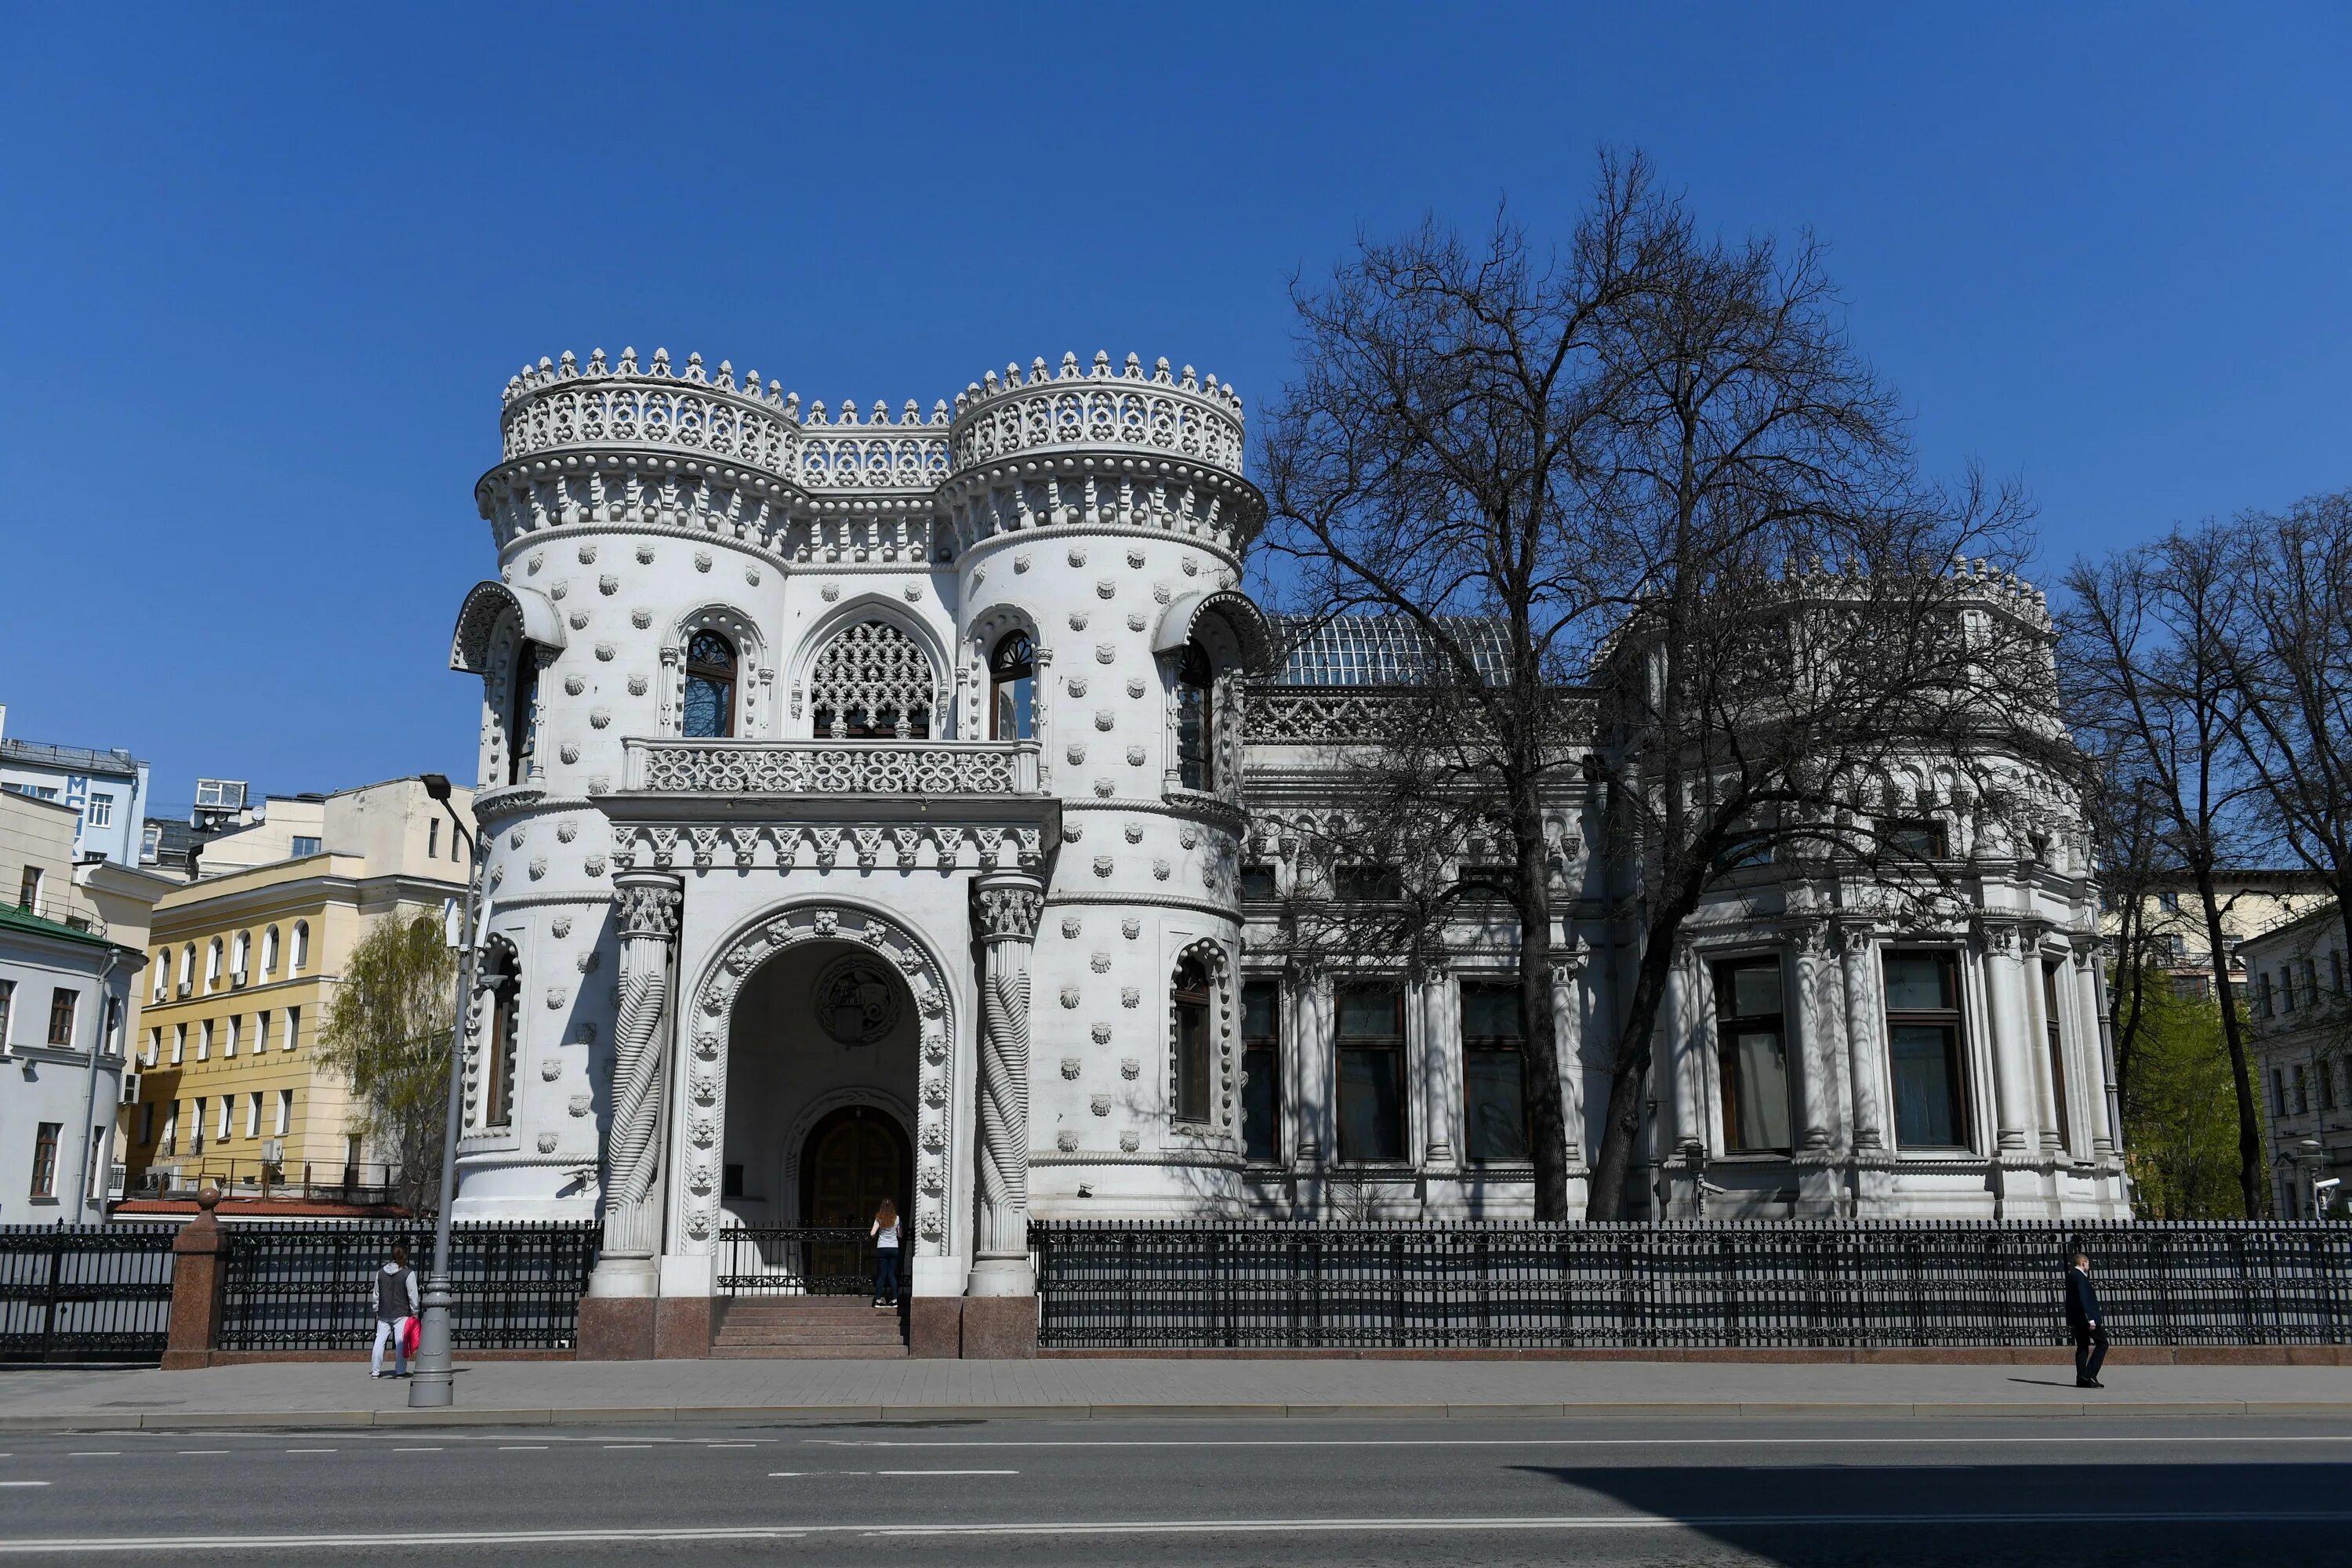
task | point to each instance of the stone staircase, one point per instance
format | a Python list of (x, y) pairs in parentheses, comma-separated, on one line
[(807, 1327)]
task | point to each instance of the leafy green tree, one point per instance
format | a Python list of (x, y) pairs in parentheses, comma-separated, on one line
[(388, 1032), (2181, 1112)]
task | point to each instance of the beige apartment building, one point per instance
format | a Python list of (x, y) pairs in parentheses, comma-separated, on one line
[(2252, 902), (243, 964)]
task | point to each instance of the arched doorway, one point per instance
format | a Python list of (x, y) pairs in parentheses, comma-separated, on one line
[(851, 1160)]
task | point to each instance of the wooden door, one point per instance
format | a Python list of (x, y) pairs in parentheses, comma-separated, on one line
[(855, 1159)]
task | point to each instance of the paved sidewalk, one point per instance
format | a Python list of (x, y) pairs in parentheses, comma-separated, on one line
[(539, 1392)]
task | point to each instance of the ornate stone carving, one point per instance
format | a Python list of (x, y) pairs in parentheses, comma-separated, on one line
[(871, 675), (647, 906), (802, 767)]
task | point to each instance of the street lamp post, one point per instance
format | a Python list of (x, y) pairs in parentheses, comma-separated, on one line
[(433, 1382)]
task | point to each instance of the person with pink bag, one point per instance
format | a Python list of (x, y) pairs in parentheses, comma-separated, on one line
[(395, 1312)]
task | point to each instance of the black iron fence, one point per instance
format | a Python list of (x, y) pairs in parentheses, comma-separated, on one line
[(85, 1292), (795, 1260), (311, 1285), (1830, 1284)]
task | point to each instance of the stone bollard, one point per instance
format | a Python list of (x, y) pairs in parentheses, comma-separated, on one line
[(199, 1264)]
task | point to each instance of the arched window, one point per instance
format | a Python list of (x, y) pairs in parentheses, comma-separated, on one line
[(187, 966), (301, 945), (241, 954), (1190, 1004), (1196, 741), (163, 972), (1013, 689), (212, 963), (522, 717), (270, 952), (709, 686), (872, 682)]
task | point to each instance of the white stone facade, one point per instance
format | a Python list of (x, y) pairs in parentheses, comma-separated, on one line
[(868, 894)]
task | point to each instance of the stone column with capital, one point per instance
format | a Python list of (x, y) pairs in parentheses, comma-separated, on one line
[(647, 904), (1818, 1029), (1568, 1043), (2014, 1103), (1005, 909), (618, 1316), (1865, 1043), (2091, 1035)]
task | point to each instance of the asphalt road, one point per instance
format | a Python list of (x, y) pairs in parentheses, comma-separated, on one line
[(1991, 1491)]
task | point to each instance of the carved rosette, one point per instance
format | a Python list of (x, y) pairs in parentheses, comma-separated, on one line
[(648, 907), (1005, 910), (713, 1004)]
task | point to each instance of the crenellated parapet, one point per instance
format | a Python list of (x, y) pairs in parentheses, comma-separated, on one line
[(651, 445)]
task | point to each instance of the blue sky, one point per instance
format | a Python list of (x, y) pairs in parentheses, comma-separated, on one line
[(264, 271)]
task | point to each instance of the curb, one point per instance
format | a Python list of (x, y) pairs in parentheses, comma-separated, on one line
[(687, 1414)]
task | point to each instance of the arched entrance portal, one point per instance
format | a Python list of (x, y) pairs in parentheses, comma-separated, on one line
[(850, 1162), (822, 1086)]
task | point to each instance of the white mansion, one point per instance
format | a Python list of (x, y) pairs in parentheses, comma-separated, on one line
[(888, 804)]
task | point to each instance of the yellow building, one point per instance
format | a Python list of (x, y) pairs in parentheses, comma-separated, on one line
[(242, 967), (2251, 902)]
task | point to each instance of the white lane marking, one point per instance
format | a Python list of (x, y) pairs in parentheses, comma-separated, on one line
[(185, 1452), (432, 1450), (1874, 1441), (309, 1450), (946, 1472), (97, 1454), (629, 1445), (24, 1483), (522, 1448), (1208, 1527), (729, 1445)]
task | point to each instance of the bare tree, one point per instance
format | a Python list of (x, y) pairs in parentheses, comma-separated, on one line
[(2149, 657), (1429, 462), (1651, 457), (2289, 656)]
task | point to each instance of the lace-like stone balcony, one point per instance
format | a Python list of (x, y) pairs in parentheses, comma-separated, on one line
[(833, 767)]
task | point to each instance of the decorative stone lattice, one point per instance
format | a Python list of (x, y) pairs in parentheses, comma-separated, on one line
[(873, 676)]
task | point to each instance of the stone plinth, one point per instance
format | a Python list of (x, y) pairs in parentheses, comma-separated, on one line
[(199, 1262), (1000, 1328), (616, 1328), (682, 1328), (935, 1327)]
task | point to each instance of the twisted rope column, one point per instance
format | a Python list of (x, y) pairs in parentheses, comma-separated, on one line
[(647, 904), (1006, 909)]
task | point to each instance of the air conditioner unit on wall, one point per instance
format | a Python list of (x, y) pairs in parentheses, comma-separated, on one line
[(273, 1150)]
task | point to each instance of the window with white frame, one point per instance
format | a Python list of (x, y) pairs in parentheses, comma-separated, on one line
[(228, 1046), (100, 812), (253, 1114), (261, 1032), (285, 1113), (241, 954), (302, 946), (212, 963), (179, 1044), (269, 953), (221, 1130)]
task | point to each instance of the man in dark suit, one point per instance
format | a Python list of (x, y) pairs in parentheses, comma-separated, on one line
[(2088, 1324)]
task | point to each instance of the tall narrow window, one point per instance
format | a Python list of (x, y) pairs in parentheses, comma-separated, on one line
[(147, 1125), (1196, 741), (204, 1041), (522, 714), (236, 1026), (197, 1126), (1371, 1050), (285, 1113), (293, 1027), (503, 986), (187, 967), (253, 1114), (1190, 1003), (1013, 689), (1493, 1075), (29, 887), (239, 955), (171, 1128), (433, 839), (1924, 1042), (154, 1046), (8, 996), (226, 1125), (2057, 1041), (179, 1044), (1751, 1054), (270, 952), (709, 686), (261, 1033), (44, 1159), (61, 1017), (302, 946), (2301, 1090), (163, 974), (1262, 1072), (212, 963)]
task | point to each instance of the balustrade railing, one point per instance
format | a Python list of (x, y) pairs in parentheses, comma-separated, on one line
[(1862, 1284), (795, 1260), (833, 767)]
